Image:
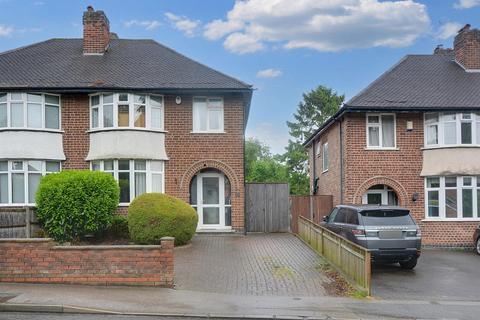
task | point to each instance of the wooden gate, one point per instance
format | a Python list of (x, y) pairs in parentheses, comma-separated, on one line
[(311, 207), (18, 222), (267, 207)]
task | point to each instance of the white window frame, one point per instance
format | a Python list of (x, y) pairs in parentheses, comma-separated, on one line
[(379, 125), (475, 186), (43, 171), (149, 172), (24, 101), (459, 119), (131, 111), (318, 147), (325, 157), (222, 117)]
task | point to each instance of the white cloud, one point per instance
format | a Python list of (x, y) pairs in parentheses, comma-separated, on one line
[(448, 30), (321, 25), (182, 23), (269, 73), (147, 24), (275, 136), (5, 31), (466, 4)]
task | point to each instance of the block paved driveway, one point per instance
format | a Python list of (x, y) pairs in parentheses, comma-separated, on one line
[(256, 264)]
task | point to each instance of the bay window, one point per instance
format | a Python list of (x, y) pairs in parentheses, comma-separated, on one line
[(135, 177), (451, 129), (452, 197), (126, 110), (208, 115), (29, 111), (381, 131), (19, 179)]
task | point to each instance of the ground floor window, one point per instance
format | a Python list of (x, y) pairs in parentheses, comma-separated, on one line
[(210, 195), (135, 177), (19, 179), (452, 197), (380, 194)]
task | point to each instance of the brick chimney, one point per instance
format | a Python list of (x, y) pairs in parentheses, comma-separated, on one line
[(96, 32), (467, 48)]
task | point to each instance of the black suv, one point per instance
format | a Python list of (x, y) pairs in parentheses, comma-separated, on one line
[(388, 231)]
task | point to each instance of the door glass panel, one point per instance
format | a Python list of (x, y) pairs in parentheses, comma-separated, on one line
[(374, 198), (193, 191), (211, 215), (228, 216), (210, 187)]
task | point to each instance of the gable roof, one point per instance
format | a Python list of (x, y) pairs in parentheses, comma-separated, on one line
[(416, 83), (128, 64), (422, 82)]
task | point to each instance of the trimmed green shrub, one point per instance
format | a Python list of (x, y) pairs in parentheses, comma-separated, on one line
[(74, 203), (118, 228), (152, 216)]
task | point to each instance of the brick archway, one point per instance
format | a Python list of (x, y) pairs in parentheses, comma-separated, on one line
[(212, 164), (395, 185)]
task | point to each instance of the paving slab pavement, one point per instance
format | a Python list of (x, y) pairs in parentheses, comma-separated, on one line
[(162, 301)]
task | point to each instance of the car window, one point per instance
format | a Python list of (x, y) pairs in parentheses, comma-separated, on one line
[(332, 215), (351, 217), (340, 216), (386, 218)]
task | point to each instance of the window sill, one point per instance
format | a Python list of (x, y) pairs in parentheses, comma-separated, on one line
[(380, 149), (207, 132), (324, 171), (32, 129), (451, 220), (124, 204), (126, 129), (452, 146)]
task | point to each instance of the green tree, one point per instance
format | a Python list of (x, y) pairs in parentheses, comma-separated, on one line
[(317, 106), (261, 165)]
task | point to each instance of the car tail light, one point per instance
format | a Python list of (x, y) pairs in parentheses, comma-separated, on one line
[(358, 232)]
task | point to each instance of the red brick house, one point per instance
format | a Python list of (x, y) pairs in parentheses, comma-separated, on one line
[(411, 138), (153, 118)]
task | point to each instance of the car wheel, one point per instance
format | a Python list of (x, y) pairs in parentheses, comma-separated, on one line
[(478, 246), (409, 265)]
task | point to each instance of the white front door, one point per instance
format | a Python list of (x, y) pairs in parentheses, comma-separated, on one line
[(211, 200)]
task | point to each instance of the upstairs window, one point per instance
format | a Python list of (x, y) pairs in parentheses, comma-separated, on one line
[(452, 129), (325, 157), (126, 110), (380, 131), (207, 114), (29, 111)]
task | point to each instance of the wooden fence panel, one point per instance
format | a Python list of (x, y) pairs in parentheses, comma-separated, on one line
[(17, 223), (267, 207), (348, 258), (300, 206)]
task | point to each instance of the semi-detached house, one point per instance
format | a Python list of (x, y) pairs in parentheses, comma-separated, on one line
[(411, 138), (153, 118)]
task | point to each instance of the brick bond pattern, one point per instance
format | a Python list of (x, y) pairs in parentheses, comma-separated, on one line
[(257, 264), (400, 169), (41, 261), (187, 152)]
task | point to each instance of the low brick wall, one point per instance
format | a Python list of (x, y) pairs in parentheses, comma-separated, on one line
[(43, 261)]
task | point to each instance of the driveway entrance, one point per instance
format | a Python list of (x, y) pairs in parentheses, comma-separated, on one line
[(257, 264)]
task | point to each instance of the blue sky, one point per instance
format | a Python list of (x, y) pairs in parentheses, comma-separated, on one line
[(282, 47)]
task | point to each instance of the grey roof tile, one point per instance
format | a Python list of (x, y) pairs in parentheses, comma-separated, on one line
[(128, 64), (422, 81)]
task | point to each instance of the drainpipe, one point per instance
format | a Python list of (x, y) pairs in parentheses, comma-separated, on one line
[(314, 167), (244, 182), (341, 161)]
